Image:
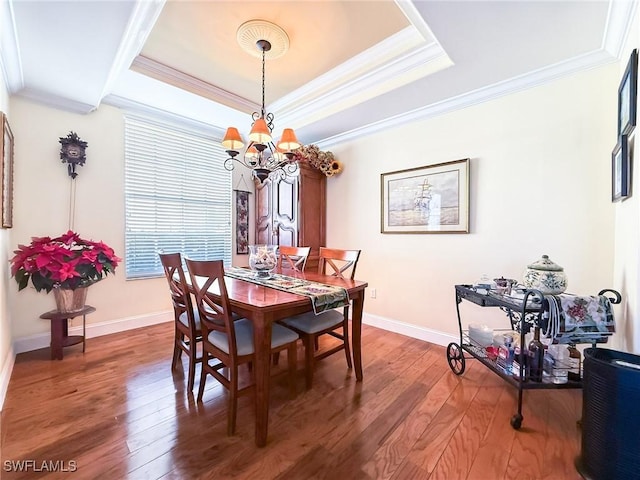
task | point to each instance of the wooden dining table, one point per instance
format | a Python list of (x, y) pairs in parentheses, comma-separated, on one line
[(263, 306)]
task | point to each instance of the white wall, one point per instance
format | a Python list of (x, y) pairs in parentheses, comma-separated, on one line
[(42, 194), (6, 351), (627, 238), (540, 184)]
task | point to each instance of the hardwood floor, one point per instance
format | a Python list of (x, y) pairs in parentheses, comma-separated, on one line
[(117, 412)]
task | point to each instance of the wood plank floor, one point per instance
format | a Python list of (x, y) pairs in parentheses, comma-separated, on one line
[(117, 412)]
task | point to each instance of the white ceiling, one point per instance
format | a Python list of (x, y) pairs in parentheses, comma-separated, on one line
[(353, 67)]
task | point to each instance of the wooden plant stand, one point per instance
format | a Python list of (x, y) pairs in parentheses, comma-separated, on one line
[(60, 329)]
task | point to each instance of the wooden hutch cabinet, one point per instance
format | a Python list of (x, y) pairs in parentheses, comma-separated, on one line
[(292, 210)]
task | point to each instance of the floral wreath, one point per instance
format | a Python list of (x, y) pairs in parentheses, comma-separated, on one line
[(323, 161)]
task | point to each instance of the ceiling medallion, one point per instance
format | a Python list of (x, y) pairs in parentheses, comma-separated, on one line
[(249, 33)]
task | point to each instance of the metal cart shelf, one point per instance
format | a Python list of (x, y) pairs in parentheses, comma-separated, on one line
[(523, 314)]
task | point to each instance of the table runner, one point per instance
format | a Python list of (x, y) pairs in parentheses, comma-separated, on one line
[(323, 297)]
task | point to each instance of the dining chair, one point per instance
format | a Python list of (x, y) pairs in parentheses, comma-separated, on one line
[(186, 320), (228, 343), (338, 263), (293, 258)]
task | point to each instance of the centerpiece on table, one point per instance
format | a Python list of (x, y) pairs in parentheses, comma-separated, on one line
[(263, 259), (66, 264)]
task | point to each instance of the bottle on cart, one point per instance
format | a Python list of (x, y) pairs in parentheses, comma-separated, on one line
[(575, 363), (536, 357), (505, 353), (520, 357)]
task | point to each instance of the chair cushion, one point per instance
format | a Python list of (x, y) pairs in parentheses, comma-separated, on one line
[(312, 323), (184, 320), (244, 337), (282, 335)]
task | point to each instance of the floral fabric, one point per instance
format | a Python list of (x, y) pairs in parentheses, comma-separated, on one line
[(323, 297), (579, 319)]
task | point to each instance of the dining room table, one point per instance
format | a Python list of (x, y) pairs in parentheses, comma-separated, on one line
[(264, 305)]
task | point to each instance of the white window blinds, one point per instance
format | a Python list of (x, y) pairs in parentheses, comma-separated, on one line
[(177, 196)]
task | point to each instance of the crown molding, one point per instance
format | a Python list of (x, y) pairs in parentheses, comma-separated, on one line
[(164, 73), (144, 16), (522, 82), (397, 60), (392, 63), (619, 20), (56, 101), (411, 12), (409, 67), (387, 65), (406, 56), (373, 58), (10, 61), (137, 108)]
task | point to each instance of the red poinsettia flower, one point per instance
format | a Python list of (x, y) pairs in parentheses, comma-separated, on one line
[(67, 271), (67, 261)]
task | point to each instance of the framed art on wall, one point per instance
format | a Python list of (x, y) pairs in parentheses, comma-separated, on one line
[(429, 199), (620, 170), (7, 173), (627, 96), (242, 222)]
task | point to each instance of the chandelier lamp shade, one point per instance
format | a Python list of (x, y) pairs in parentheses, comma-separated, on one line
[(262, 155)]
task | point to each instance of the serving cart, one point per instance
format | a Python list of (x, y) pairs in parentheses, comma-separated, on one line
[(524, 313)]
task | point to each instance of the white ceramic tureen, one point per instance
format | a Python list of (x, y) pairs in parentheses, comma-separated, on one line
[(546, 276)]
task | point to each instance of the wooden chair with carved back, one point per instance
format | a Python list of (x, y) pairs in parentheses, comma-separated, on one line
[(186, 319), (226, 343), (292, 258), (342, 264)]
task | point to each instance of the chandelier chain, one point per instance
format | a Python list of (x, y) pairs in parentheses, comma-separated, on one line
[(262, 156), (263, 89)]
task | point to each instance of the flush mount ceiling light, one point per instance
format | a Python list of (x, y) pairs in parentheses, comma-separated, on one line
[(261, 155)]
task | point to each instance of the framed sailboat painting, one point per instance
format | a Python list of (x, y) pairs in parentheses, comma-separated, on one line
[(429, 199)]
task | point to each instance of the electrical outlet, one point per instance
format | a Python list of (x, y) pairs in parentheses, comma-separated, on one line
[(373, 293)]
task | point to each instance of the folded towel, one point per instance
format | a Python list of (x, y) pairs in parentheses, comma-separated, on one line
[(579, 319)]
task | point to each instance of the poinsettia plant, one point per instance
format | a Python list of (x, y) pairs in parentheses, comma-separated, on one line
[(67, 261)]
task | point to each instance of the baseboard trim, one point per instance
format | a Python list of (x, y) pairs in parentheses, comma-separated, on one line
[(5, 374), (413, 331), (42, 340)]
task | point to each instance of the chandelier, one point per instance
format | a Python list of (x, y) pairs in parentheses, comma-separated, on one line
[(261, 155)]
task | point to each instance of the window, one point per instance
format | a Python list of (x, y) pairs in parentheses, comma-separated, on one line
[(177, 196)]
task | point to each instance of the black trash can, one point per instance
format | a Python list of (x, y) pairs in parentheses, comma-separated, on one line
[(610, 416)]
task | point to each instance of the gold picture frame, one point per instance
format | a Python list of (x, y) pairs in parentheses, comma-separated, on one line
[(7, 173), (429, 199)]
